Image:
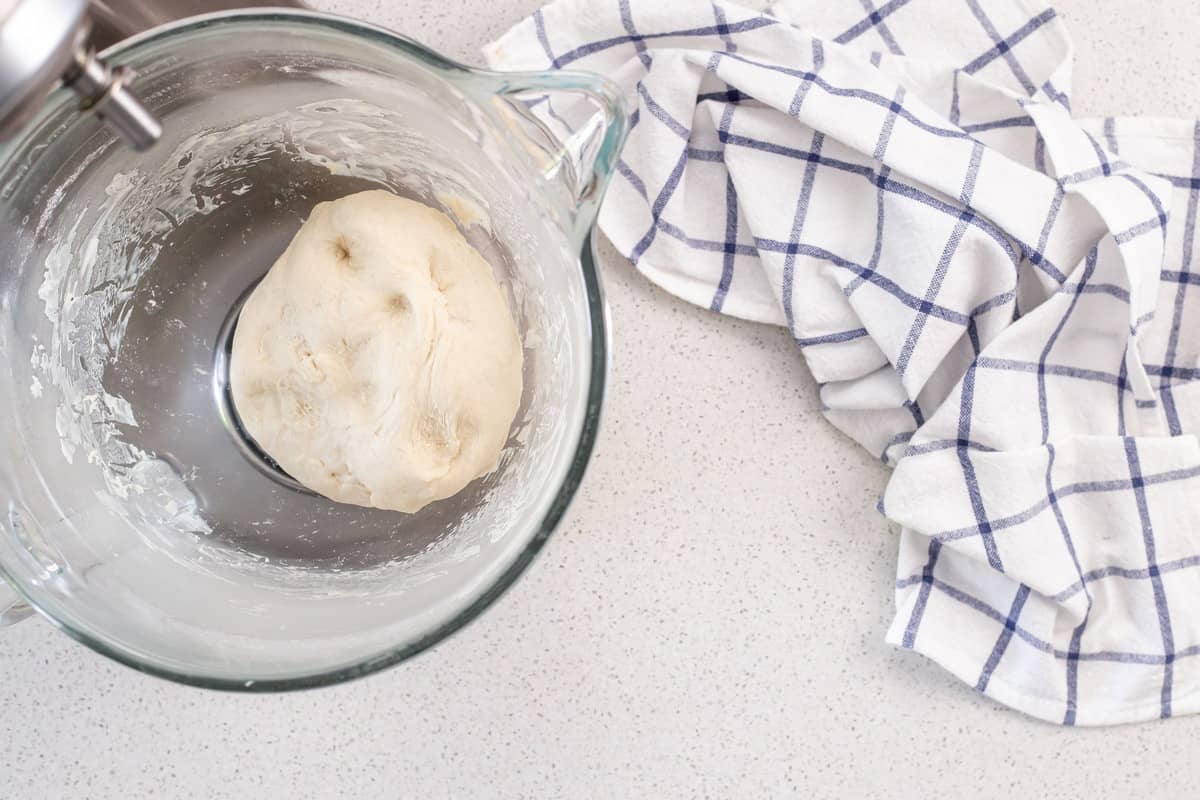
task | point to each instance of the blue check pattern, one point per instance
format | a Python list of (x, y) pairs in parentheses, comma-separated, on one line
[(997, 300)]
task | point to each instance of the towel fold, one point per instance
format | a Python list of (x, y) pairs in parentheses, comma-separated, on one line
[(996, 299)]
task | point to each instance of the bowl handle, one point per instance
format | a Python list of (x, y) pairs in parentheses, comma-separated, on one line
[(12, 608), (574, 123)]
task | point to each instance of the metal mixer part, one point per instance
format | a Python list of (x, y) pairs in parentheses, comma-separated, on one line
[(44, 43), (47, 42), (106, 92)]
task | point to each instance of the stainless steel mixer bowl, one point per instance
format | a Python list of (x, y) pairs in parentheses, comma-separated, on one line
[(136, 513)]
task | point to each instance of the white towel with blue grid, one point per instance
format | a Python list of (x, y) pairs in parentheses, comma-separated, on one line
[(995, 298)]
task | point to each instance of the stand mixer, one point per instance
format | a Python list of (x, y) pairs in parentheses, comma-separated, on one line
[(45, 42)]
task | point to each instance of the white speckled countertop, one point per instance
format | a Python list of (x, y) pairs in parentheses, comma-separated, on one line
[(684, 634)]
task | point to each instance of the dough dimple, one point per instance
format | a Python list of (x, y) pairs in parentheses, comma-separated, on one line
[(378, 362)]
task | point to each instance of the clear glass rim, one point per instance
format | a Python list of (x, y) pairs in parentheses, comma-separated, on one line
[(596, 377)]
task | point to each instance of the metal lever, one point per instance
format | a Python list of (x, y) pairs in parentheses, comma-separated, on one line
[(106, 93)]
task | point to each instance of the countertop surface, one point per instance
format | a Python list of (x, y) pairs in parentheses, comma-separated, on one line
[(687, 632)]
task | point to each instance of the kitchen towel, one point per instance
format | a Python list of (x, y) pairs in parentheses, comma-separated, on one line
[(995, 298)]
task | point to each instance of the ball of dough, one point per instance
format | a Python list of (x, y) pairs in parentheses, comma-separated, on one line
[(378, 362)]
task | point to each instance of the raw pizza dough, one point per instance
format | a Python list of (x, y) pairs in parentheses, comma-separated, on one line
[(378, 362)]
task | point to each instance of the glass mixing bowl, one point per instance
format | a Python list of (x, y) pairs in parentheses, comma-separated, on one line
[(136, 513)]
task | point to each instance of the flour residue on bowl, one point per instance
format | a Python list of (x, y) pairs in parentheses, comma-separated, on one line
[(86, 301)]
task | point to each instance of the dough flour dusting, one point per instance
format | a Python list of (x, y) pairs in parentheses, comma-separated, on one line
[(378, 362)]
